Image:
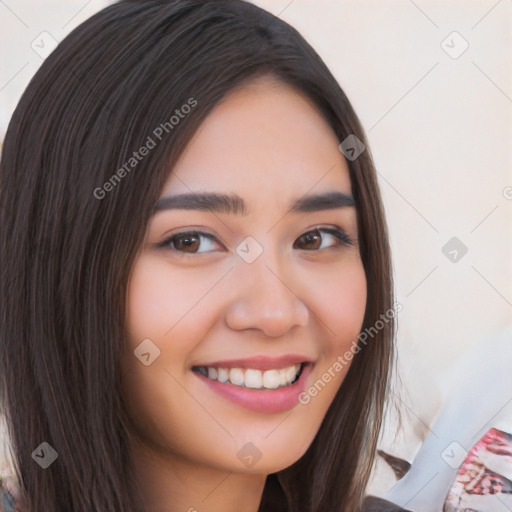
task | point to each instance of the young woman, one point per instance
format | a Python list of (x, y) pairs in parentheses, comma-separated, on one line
[(197, 305)]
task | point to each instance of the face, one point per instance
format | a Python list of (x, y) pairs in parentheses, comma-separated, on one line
[(226, 306)]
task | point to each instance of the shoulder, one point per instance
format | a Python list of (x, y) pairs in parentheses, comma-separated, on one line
[(375, 504)]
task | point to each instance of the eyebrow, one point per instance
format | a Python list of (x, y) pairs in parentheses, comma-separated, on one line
[(234, 204)]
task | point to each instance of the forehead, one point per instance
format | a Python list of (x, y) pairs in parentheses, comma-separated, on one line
[(265, 140)]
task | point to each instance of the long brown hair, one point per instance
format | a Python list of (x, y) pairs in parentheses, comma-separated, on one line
[(66, 253)]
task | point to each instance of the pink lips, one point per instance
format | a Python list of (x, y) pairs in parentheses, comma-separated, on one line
[(259, 400)]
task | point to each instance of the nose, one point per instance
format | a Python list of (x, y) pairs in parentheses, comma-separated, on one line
[(264, 299)]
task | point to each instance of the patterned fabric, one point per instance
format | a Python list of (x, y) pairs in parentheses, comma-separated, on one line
[(484, 479)]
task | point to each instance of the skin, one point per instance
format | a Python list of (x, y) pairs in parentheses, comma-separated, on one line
[(269, 144)]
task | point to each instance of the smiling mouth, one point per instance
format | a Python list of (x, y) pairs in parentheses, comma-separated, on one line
[(253, 378)]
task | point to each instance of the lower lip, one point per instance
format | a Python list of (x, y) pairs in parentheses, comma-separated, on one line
[(268, 400)]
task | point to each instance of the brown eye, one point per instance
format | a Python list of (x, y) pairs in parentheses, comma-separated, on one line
[(186, 242), (313, 239), (189, 242)]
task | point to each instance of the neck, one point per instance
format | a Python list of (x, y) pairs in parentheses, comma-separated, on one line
[(171, 483)]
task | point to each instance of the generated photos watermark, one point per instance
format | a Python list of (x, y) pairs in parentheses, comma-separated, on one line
[(150, 143), (344, 360)]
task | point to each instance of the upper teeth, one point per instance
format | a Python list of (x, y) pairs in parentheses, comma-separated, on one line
[(251, 378)]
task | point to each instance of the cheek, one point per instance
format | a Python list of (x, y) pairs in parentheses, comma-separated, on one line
[(160, 303), (341, 304), (146, 302), (352, 298)]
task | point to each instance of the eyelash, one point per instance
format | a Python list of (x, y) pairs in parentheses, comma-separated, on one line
[(343, 240)]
